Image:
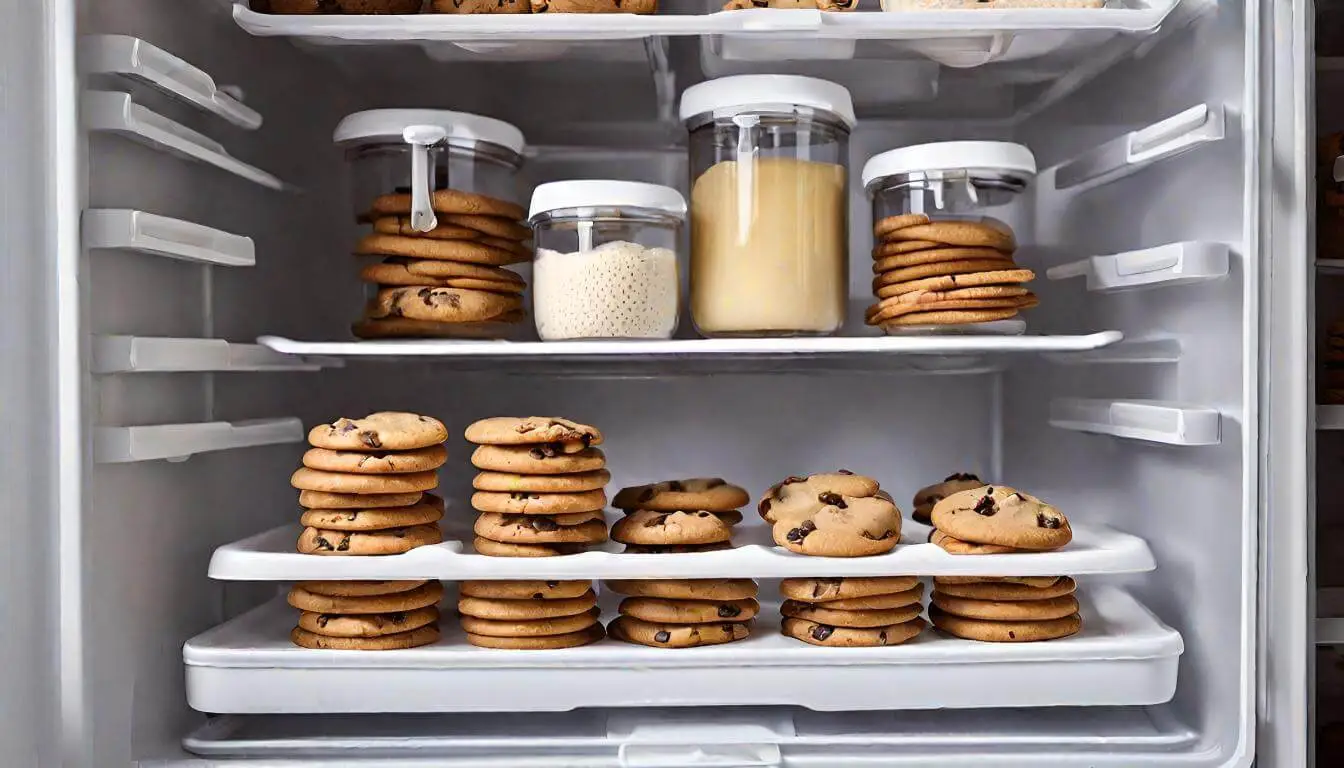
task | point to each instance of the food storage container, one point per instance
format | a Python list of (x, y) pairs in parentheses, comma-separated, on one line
[(948, 180), (418, 151), (769, 202), (606, 259)]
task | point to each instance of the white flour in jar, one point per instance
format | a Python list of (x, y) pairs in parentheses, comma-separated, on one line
[(618, 290)]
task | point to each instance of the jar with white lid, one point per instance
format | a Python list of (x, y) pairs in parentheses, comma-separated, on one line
[(962, 180), (606, 259), (417, 152), (769, 204)]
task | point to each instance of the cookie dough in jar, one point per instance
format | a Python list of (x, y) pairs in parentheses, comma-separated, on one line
[(769, 205)]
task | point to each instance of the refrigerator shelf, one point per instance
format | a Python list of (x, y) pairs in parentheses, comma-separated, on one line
[(270, 556), (1154, 351), (157, 354), (178, 442), (1136, 150), (131, 230), (1123, 656), (1165, 265), (1153, 421)]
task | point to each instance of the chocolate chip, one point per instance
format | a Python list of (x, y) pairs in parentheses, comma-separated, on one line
[(662, 637), (538, 596), (798, 534), (1012, 635), (536, 454), (1046, 522), (821, 632), (344, 546), (552, 450), (715, 482), (882, 637), (764, 506), (833, 499), (520, 496), (985, 506), (960, 476), (729, 611), (656, 521), (826, 587), (843, 472), (397, 618), (323, 545), (702, 514), (323, 619), (587, 440), (352, 516), (398, 190), (885, 535), (544, 524), (791, 479), (370, 438)]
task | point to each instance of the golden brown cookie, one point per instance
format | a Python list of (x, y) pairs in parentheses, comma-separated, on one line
[(901, 261), (482, 6), (526, 503), (1004, 516), (1039, 582), (370, 462), (885, 227), (959, 233), (469, 251), (453, 269), (525, 589), (991, 590), (667, 528), (383, 431), (880, 315), (367, 625), (451, 201), (844, 526), (958, 294), (559, 625), (426, 635), (955, 282), (1004, 631), (342, 482), (534, 430), (851, 637), (1006, 610), (377, 519), (883, 250), (490, 226), (442, 305), (397, 275), (711, 494), (324, 500), (401, 226), (823, 590), (951, 317), (359, 588), (485, 546), (929, 495), (954, 546), (798, 496), (547, 459), (509, 482), (393, 541), (685, 589), (546, 642), (821, 613), (538, 529), (875, 602), (426, 594), (632, 630), (665, 611), (525, 610)]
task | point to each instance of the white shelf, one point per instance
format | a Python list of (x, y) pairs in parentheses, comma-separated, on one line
[(1330, 417), (1139, 149), (271, 556), (141, 62), (114, 112), (1123, 656), (175, 442), (130, 230), (1165, 265), (1153, 421), (154, 354), (1128, 352)]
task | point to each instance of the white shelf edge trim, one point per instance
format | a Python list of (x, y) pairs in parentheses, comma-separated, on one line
[(1330, 631), (1330, 417), (1164, 265), (1128, 352), (130, 230), (1330, 266), (1139, 149), (159, 354), (176, 442), (115, 112), (139, 61), (1154, 421)]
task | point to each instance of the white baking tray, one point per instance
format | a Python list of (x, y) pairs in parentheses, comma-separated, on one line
[(1123, 656), (270, 556)]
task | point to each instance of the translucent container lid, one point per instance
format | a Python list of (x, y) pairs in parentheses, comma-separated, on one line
[(458, 128), (594, 194), (728, 96), (969, 157)]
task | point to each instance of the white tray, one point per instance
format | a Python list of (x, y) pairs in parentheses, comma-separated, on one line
[(1123, 656), (270, 556)]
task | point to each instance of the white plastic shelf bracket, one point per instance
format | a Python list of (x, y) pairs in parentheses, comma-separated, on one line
[(1153, 421), (1172, 264), (141, 62), (128, 230), (1128, 352), (1139, 149), (150, 354), (114, 112), (178, 442)]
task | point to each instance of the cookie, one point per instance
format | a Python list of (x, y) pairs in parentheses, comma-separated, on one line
[(491, 226), (880, 315), (423, 596), (401, 225), (342, 482), (547, 642), (468, 251), (385, 274), (1039, 582), (538, 529), (1004, 516), (938, 269), (426, 635), (955, 282), (632, 630), (685, 589), (958, 294), (837, 617), (370, 519), (358, 588), (664, 611), (450, 201), (952, 317), (844, 526), (406, 328), (664, 528), (960, 233), (954, 546), (711, 494), (1004, 631), (524, 503), (533, 430), (525, 589), (367, 625), (571, 483), (508, 549), (929, 495), (675, 549), (376, 462), (525, 610), (883, 250), (875, 602), (482, 6), (1004, 591), (851, 637), (393, 541), (731, 517), (594, 6), (1006, 610), (560, 625), (441, 305), (898, 261), (383, 431), (822, 590), (447, 270), (798, 496), (325, 500), (545, 459), (890, 224)]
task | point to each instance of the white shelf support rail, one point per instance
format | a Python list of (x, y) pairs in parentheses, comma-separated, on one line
[(139, 61), (1153, 421), (151, 354), (1156, 351), (1330, 417), (1165, 265), (1139, 149), (116, 112), (130, 230), (178, 442)]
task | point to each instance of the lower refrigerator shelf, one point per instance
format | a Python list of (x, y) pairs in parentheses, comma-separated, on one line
[(1123, 656)]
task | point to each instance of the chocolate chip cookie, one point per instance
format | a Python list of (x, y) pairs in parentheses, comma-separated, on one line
[(327, 500), (367, 625), (426, 635), (1002, 516), (525, 589), (559, 625), (821, 613), (393, 541), (526, 503), (665, 611), (851, 637), (343, 482), (656, 635), (799, 496), (534, 430), (538, 529), (359, 588), (376, 462), (1005, 590), (1004, 631), (843, 526), (541, 643), (422, 596), (1007, 610), (823, 590), (927, 496), (710, 494), (546, 459), (384, 431), (371, 519), (484, 546), (525, 610), (509, 482), (670, 528), (955, 546)]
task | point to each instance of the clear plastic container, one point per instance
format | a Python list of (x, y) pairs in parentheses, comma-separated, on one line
[(964, 180), (606, 260), (769, 205)]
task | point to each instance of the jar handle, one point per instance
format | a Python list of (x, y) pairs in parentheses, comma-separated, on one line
[(421, 138)]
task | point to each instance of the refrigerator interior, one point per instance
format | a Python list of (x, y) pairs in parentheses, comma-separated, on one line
[(145, 530)]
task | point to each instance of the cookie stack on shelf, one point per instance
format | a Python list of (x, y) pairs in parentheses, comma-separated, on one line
[(366, 615), (540, 492), (995, 520), (448, 282), (363, 483), (838, 514), (529, 615), (694, 515), (930, 495), (945, 273), (852, 613)]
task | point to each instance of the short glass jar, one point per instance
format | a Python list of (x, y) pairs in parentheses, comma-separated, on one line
[(961, 180), (606, 259)]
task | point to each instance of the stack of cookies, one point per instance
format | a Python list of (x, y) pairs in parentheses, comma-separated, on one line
[(995, 520), (929, 495), (529, 615), (695, 515), (540, 489), (1332, 361), (450, 281), (837, 514), (852, 613), (362, 485), (1011, 609), (366, 615), (945, 273)]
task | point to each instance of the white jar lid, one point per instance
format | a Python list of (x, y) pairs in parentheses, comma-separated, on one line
[(603, 193), (745, 92), (461, 127), (950, 156)]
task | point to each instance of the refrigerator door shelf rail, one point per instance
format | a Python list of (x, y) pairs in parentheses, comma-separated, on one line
[(156, 354), (130, 230), (1330, 632), (141, 62), (1158, 351), (1139, 149), (1165, 265), (1330, 266), (1330, 417), (178, 442), (1153, 421)]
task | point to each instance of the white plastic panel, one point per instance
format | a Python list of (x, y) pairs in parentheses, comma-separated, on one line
[(1152, 421), (1138, 149), (118, 445), (129, 230), (147, 354), (1154, 351), (1165, 265)]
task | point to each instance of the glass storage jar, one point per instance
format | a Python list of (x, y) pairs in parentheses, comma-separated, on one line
[(963, 180), (769, 204), (606, 259), (416, 152)]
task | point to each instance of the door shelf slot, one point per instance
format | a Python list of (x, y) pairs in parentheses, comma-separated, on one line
[(178, 442), (1164, 265), (129, 230), (1136, 150), (156, 354), (1154, 421)]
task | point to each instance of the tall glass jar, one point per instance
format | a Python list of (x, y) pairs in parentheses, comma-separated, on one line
[(769, 205)]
